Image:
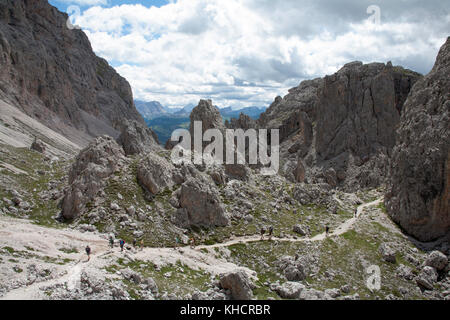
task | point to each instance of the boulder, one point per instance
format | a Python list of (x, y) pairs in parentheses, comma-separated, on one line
[(437, 260), (137, 138), (290, 290), (237, 171), (300, 230), (155, 173), (201, 201), (38, 146), (388, 253), (427, 278), (293, 270), (239, 284), (131, 275)]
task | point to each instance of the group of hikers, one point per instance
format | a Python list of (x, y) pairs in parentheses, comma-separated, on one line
[(178, 242), (263, 232), (192, 240), (111, 244), (122, 243)]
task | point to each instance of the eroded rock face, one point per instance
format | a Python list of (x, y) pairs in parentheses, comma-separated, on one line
[(51, 73), (88, 174), (419, 195), (239, 284), (155, 173), (137, 138), (342, 126), (200, 199)]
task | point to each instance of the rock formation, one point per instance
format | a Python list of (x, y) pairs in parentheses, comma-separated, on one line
[(154, 173), (38, 146), (201, 201), (341, 129), (136, 138), (51, 73), (88, 174), (239, 284), (209, 116), (420, 172)]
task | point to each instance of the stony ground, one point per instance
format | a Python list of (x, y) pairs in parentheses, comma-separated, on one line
[(41, 258)]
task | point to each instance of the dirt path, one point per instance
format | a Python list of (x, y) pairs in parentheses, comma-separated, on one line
[(343, 228), (17, 233)]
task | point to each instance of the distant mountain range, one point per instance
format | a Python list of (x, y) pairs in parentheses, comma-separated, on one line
[(163, 120)]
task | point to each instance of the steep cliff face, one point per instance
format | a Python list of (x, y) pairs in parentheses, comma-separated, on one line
[(51, 73), (420, 172), (341, 129)]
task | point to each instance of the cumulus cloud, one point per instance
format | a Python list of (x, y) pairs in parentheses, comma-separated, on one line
[(246, 52)]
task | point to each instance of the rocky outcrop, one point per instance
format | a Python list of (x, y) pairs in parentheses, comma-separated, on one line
[(88, 175), (201, 203), (293, 270), (51, 73), (208, 114), (155, 173), (340, 129), (38, 146), (419, 195), (136, 138), (243, 122), (239, 284)]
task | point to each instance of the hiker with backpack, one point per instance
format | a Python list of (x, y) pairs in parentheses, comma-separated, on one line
[(270, 232), (327, 230), (263, 231), (122, 244), (111, 242), (88, 252)]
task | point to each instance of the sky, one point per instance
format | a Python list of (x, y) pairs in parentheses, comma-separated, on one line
[(243, 53)]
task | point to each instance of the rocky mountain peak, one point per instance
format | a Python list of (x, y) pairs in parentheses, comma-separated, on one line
[(208, 114)]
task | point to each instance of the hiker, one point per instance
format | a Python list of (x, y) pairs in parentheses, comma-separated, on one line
[(111, 242), (122, 243), (356, 212), (142, 245), (270, 232), (177, 242), (88, 252), (134, 243), (263, 231), (192, 241), (327, 230)]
